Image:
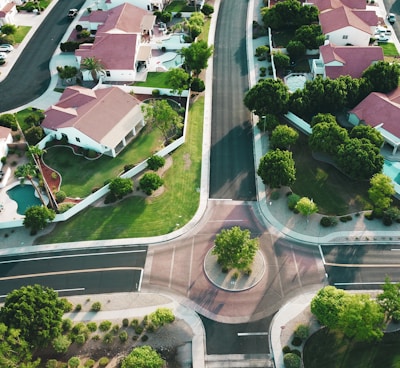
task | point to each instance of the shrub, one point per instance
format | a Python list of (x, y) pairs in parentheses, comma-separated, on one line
[(96, 307), (61, 344), (286, 349), (78, 28), (207, 9), (155, 162), (302, 331), (96, 337), (197, 85), (79, 328), (326, 221), (297, 352), (74, 362), (115, 329), (292, 200), (144, 338), (69, 46), (105, 326), (80, 339), (60, 196), (128, 167), (108, 338), (103, 361), (297, 341), (7, 120), (291, 361), (110, 198), (369, 216), (345, 218), (387, 221), (125, 322), (123, 336), (138, 330), (275, 195), (150, 182), (135, 337), (67, 305), (92, 326), (78, 307), (161, 316), (89, 363), (66, 325), (155, 93), (51, 363), (135, 322)]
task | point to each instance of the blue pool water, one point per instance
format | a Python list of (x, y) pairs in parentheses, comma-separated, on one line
[(392, 169), (25, 197), (174, 40), (176, 62)]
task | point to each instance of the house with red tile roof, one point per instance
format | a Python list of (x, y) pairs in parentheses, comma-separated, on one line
[(8, 10), (118, 44), (103, 120), (335, 61), (5, 140), (345, 26), (323, 5), (382, 112), (151, 5)]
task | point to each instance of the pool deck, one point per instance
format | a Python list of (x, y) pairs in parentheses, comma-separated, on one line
[(9, 207)]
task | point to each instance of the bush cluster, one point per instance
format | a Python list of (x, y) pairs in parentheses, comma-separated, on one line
[(328, 221), (345, 218)]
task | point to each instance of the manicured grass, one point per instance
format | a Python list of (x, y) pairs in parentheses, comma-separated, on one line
[(332, 191), (23, 114), (80, 176), (333, 350), (155, 80), (389, 49), (179, 6), (140, 217), (21, 33)]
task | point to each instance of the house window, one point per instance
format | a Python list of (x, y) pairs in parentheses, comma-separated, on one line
[(345, 37), (108, 74), (77, 139)]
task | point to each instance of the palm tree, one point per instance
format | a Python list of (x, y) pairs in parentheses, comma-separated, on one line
[(28, 171), (94, 66)]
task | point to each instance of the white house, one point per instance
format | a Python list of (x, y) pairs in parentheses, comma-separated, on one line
[(345, 26), (8, 10), (151, 5), (120, 42), (103, 120), (5, 140)]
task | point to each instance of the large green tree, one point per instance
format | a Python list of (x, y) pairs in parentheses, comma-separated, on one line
[(120, 187), (196, 56), (383, 76), (381, 191), (296, 49), (276, 168), (178, 80), (36, 311), (143, 357), (38, 217), (281, 60), (283, 137), (359, 159), (389, 299), (268, 97), (323, 118), (367, 132), (235, 249), (310, 36), (160, 115), (327, 137)]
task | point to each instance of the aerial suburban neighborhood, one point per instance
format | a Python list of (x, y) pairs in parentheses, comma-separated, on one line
[(199, 183)]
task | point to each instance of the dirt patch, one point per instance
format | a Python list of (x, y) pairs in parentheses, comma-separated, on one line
[(187, 161)]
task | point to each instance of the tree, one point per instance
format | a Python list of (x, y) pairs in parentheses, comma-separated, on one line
[(277, 168), (283, 137), (34, 135), (268, 97), (61, 343), (323, 118), (67, 72), (8, 121), (235, 249), (291, 360), (8, 29), (383, 76), (36, 311), (143, 357), (306, 206), (310, 35), (381, 191), (38, 217), (150, 182), (94, 66), (368, 132), (207, 9), (327, 137), (29, 171), (194, 25), (196, 56), (120, 187), (296, 49), (359, 159), (268, 123), (161, 316), (14, 350), (281, 60), (262, 52), (155, 162), (178, 80), (389, 299), (159, 114)]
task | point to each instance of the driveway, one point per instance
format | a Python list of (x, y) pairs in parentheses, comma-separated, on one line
[(30, 76)]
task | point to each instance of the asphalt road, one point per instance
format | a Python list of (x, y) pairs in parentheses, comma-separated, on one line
[(30, 76), (90, 271), (232, 174), (393, 6)]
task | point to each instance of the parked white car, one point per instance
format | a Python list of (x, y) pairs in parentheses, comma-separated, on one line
[(382, 38), (391, 18), (383, 30), (3, 55), (5, 47)]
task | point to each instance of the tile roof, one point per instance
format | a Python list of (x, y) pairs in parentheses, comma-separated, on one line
[(339, 18), (323, 5), (4, 132), (95, 113), (378, 108), (353, 59)]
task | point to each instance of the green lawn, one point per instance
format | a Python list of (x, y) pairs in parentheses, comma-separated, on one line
[(155, 80), (389, 49), (23, 114), (21, 33), (80, 176), (179, 6), (332, 191), (332, 350), (143, 217)]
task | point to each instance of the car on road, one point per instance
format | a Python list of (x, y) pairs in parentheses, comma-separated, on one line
[(5, 47), (3, 56), (383, 30), (72, 13), (391, 18)]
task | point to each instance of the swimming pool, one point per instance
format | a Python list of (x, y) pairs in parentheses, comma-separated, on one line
[(392, 169), (174, 42), (25, 197), (295, 81), (175, 62)]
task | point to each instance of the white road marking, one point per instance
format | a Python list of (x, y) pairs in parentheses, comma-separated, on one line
[(322, 254), (172, 267), (72, 256), (58, 291), (358, 283), (190, 268), (379, 265), (252, 333)]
